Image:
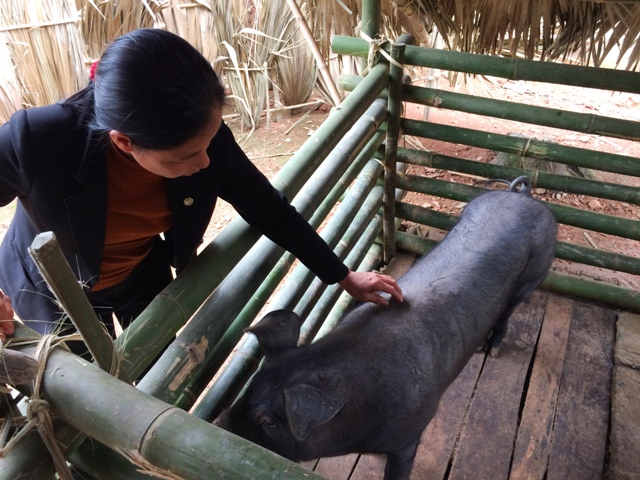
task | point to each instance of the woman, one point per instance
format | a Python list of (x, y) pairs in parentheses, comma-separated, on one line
[(141, 151)]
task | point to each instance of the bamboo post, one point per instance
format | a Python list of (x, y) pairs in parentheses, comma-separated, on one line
[(511, 68), (166, 437), (370, 25), (322, 66), (396, 71), (56, 271)]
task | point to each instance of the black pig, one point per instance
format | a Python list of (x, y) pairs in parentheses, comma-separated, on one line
[(374, 383)]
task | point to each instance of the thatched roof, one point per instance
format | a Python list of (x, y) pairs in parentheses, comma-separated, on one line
[(591, 32)]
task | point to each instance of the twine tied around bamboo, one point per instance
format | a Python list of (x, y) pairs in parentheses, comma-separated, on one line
[(375, 47), (38, 410)]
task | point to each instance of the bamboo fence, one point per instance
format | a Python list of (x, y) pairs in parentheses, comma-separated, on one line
[(136, 432)]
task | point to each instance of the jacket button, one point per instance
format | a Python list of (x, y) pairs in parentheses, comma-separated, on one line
[(188, 201)]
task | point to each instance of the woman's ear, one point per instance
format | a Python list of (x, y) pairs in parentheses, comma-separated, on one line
[(120, 140)]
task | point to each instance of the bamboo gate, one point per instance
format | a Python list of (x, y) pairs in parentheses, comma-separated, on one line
[(207, 306)]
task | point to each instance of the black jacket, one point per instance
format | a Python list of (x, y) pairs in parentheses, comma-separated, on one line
[(56, 168)]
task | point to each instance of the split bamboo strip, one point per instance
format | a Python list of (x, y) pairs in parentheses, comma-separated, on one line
[(598, 222), (511, 68), (169, 438), (393, 135), (177, 366), (549, 117), (55, 270), (565, 250), (539, 178), (580, 157), (557, 282), (170, 310)]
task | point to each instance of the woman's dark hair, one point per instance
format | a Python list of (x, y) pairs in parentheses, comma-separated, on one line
[(154, 87)]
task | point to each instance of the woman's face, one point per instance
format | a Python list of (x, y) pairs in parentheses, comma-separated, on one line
[(181, 161)]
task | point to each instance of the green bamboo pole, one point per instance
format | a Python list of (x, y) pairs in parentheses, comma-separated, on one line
[(365, 216), (345, 302), (589, 290), (371, 18), (549, 117), (576, 217), (358, 202), (183, 360), (565, 250), (316, 317), (511, 68), (525, 147), (240, 365), (169, 438), (540, 179), (396, 71), (62, 282)]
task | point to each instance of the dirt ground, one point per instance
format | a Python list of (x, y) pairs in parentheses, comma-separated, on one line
[(273, 143)]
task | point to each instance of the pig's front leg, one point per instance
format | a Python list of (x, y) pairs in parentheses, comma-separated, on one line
[(400, 462)]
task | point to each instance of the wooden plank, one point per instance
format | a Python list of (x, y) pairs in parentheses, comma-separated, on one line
[(582, 415), (624, 463), (533, 444), (439, 438), (337, 468), (627, 350), (370, 467), (488, 436)]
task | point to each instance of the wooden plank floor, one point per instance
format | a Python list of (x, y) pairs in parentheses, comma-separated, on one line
[(542, 410)]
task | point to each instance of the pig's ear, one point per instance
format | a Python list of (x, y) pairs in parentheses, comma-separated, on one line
[(308, 407), (277, 331)]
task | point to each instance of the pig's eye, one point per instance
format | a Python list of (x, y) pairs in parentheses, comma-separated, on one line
[(267, 422)]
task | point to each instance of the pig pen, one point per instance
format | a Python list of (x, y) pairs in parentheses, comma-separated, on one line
[(546, 408)]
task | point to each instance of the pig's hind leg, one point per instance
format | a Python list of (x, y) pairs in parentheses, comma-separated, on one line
[(400, 462), (524, 291)]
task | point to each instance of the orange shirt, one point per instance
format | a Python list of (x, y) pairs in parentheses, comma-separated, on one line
[(137, 211)]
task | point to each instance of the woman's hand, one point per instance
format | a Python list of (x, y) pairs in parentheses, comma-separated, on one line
[(367, 286), (6, 317)]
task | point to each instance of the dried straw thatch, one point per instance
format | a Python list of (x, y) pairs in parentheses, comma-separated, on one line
[(101, 21), (10, 99), (591, 32), (45, 48)]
